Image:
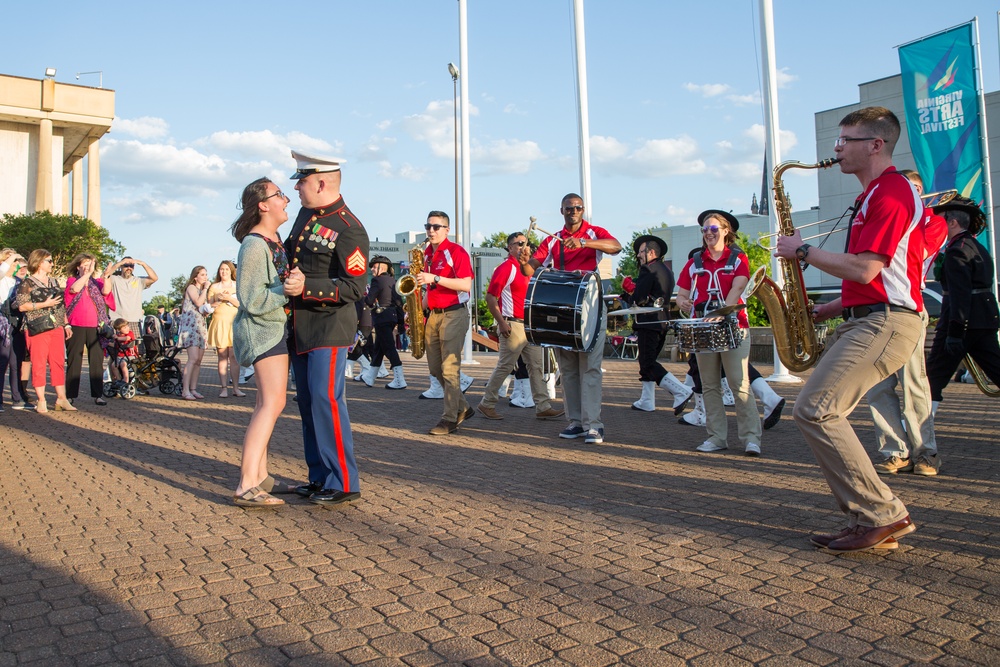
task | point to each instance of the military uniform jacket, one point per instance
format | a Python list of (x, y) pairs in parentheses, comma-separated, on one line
[(380, 300), (967, 279), (330, 246), (655, 281)]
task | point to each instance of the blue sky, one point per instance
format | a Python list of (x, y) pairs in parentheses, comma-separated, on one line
[(211, 95)]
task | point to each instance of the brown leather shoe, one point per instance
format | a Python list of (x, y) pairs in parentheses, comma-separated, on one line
[(489, 413), (444, 428), (824, 540), (468, 414), (862, 538), (551, 413)]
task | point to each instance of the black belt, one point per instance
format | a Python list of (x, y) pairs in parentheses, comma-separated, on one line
[(514, 319), (438, 311), (858, 312)]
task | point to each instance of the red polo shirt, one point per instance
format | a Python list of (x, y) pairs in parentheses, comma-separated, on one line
[(508, 285), (888, 223), (697, 283), (551, 252), (450, 260)]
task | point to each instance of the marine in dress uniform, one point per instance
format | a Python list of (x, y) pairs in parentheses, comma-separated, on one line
[(969, 316), (329, 245)]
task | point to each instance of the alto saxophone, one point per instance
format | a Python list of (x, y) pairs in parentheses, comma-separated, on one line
[(788, 307), (413, 297)]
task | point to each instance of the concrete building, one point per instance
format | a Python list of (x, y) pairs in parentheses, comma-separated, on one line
[(46, 131), (838, 191)]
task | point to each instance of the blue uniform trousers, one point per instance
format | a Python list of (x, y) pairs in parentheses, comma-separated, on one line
[(326, 426)]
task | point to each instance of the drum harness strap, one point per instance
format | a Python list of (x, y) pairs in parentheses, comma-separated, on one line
[(713, 277)]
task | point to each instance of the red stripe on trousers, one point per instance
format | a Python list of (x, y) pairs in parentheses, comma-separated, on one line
[(335, 415)]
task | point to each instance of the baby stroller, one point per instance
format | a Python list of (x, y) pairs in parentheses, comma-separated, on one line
[(158, 368), (124, 386)]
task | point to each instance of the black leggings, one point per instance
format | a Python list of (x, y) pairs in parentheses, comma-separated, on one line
[(84, 338), (385, 346)]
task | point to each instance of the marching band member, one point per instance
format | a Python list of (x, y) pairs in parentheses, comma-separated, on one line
[(969, 314), (578, 246), (505, 299), (881, 297), (714, 278), (381, 299), (655, 285), (447, 283)]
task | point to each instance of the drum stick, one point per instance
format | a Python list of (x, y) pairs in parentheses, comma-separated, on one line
[(535, 228)]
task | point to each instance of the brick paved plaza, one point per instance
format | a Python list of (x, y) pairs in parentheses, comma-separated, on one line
[(498, 545)]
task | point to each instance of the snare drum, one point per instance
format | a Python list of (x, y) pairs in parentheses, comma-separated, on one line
[(698, 335), (563, 309)]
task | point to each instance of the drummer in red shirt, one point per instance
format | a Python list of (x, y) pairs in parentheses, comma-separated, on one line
[(578, 246), (447, 282), (710, 280)]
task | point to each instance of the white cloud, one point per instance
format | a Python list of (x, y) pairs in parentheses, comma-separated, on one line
[(406, 172), (652, 159), (146, 127), (152, 208), (707, 89), (784, 79), (511, 156), (435, 126), (383, 125), (786, 138), (512, 109), (744, 100)]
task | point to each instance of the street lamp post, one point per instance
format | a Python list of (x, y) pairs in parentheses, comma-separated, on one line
[(454, 96)]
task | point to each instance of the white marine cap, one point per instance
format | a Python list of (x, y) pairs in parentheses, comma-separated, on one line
[(313, 164)]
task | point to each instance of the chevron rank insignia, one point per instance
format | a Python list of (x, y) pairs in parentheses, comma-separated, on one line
[(356, 263)]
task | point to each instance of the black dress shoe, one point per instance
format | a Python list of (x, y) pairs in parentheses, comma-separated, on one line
[(307, 490), (334, 497)]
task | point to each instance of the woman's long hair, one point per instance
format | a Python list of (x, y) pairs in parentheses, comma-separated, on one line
[(253, 194), (232, 271), (194, 274), (74, 266)]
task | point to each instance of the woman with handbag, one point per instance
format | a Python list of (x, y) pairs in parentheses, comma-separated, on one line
[(40, 299), (87, 302), (192, 332), (222, 299)]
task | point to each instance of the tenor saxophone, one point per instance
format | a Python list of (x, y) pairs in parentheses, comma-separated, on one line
[(413, 296), (788, 307)]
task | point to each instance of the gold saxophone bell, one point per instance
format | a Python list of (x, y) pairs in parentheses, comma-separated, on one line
[(413, 297)]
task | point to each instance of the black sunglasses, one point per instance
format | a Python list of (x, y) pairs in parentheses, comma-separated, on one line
[(572, 209), (429, 227)]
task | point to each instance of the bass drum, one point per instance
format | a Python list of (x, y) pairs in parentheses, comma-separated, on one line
[(563, 309)]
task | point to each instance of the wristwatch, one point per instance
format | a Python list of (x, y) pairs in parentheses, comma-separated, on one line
[(583, 243), (437, 279), (802, 252)]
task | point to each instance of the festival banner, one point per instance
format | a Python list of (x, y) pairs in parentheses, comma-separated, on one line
[(941, 101)]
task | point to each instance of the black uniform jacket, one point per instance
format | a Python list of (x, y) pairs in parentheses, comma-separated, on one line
[(380, 300), (330, 246), (655, 281), (967, 279)]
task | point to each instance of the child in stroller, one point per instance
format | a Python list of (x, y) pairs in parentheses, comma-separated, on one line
[(158, 368), (123, 353)]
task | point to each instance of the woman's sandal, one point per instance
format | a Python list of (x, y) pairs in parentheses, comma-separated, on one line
[(238, 394), (257, 497), (270, 485)]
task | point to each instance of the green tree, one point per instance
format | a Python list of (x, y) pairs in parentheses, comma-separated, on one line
[(499, 240), (149, 307), (483, 315), (758, 257), (64, 236), (177, 285)]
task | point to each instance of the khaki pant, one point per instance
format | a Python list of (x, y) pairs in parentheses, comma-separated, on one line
[(581, 381), (917, 437), (867, 351), (445, 338), (747, 418), (510, 349)]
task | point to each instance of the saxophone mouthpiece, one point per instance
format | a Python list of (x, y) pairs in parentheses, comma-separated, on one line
[(829, 162)]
